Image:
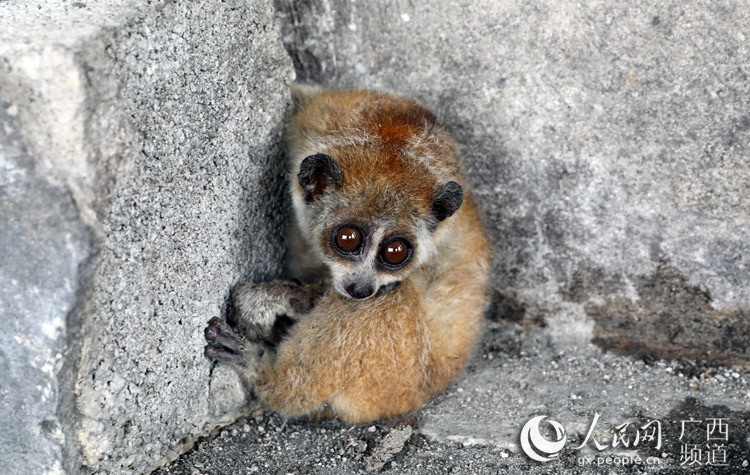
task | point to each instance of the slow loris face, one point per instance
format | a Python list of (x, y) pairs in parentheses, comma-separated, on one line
[(371, 230)]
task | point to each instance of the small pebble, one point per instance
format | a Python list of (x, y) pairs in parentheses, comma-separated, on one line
[(246, 428), (371, 429)]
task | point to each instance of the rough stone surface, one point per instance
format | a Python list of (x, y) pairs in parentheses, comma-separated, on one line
[(388, 448), (43, 244), (146, 135), (644, 327), (600, 136)]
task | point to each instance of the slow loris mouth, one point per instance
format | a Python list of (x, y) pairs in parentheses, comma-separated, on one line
[(388, 287)]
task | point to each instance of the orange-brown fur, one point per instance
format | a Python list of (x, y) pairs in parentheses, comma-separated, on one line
[(363, 360)]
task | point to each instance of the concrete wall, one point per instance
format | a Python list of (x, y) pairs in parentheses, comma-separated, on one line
[(141, 177), (607, 141)]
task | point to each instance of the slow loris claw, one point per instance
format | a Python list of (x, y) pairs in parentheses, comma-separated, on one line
[(224, 344)]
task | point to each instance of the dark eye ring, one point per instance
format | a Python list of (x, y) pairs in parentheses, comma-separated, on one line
[(348, 239), (395, 253)]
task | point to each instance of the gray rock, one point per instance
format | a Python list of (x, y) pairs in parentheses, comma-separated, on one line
[(389, 447), (602, 138), (146, 139), (44, 244)]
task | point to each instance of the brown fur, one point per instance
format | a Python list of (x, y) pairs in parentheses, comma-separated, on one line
[(386, 355)]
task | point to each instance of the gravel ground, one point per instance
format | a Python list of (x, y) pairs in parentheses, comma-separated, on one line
[(521, 369)]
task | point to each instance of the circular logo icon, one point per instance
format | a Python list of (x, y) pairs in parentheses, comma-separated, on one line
[(536, 446)]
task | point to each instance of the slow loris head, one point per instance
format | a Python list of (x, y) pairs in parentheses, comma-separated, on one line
[(370, 217), (374, 178)]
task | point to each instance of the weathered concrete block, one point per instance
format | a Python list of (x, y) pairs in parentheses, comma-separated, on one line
[(604, 139), (43, 245), (140, 180)]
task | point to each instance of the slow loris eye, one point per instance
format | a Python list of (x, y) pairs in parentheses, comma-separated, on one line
[(348, 239), (395, 253)]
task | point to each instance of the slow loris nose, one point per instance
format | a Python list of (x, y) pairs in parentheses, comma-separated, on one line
[(360, 292)]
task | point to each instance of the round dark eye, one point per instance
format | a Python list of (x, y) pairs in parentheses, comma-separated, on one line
[(348, 239), (395, 252)]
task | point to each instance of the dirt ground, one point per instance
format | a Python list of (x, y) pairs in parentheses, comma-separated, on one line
[(520, 370)]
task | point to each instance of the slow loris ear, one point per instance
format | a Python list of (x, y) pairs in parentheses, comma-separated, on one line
[(317, 173), (447, 200)]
